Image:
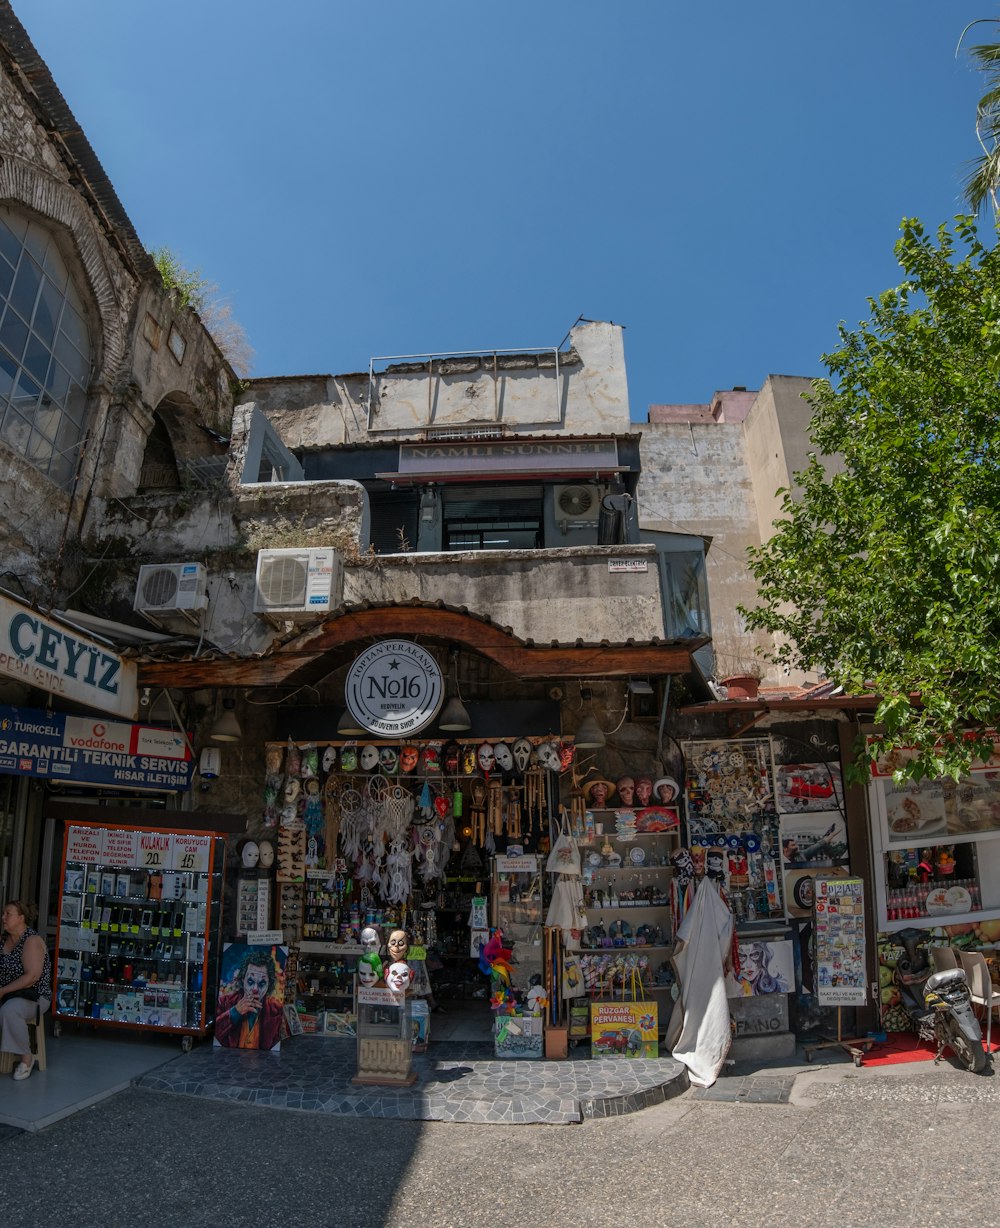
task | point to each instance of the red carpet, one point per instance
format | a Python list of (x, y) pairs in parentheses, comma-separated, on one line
[(906, 1047)]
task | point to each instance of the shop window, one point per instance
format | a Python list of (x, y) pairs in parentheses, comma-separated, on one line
[(687, 594), (45, 350), (394, 521), (493, 521)]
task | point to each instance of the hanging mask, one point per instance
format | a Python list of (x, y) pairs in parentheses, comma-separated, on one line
[(329, 759), (714, 863), (566, 751), (292, 788), (485, 757), (548, 757), (522, 754), (469, 761), (452, 754), (430, 758), (387, 758), (643, 790), (505, 760), (369, 969), (349, 758), (369, 758), (398, 977), (371, 940), (250, 854), (266, 854), (409, 757)]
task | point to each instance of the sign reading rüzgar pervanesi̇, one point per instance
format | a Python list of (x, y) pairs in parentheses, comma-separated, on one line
[(394, 688)]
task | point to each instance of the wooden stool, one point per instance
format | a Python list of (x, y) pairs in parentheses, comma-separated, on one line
[(36, 1039)]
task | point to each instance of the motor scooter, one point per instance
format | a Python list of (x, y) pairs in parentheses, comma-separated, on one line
[(939, 1003)]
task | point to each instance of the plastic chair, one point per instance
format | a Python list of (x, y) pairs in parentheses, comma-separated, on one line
[(981, 987), (944, 958)]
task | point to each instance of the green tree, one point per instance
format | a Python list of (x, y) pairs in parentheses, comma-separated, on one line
[(884, 571)]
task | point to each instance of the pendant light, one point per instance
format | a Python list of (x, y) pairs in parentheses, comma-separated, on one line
[(348, 727), (588, 735), (227, 727), (455, 718)]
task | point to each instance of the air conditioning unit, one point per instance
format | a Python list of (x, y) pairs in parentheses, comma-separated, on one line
[(296, 584), (166, 592), (579, 504)]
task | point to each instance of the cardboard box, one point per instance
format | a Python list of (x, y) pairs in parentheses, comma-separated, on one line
[(556, 1042)]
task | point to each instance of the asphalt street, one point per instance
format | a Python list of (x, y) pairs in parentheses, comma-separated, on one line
[(879, 1146)]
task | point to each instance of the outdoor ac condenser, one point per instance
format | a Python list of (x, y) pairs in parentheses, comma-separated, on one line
[(168, 592), (298, 584)]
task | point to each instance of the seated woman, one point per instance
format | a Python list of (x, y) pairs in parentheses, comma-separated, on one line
[(25, 982)]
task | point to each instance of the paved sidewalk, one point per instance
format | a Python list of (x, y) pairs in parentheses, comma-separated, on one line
[(460, 1082)]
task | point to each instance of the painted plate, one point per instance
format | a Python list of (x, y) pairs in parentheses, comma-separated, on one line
[(637, 856)]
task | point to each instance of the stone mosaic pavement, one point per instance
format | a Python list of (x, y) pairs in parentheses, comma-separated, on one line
[(461, 1082)]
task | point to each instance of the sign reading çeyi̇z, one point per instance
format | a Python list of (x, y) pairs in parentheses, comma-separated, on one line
[(394, 688)]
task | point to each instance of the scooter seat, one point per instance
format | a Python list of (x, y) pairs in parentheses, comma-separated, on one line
[(942, 980)]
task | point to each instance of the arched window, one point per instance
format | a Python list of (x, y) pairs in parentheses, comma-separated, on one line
[(45, 350)]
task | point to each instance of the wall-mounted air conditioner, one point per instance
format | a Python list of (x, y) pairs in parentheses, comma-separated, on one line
[(166, 592), (296, 584), (577, 504)]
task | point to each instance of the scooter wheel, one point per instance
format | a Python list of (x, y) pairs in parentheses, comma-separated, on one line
[(970, 1053)]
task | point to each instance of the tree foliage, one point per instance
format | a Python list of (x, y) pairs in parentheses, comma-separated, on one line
[(191, 289), (885, 573)]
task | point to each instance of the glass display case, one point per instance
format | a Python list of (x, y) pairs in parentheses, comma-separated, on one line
[(937, 849), (139, 931), (516, 891)]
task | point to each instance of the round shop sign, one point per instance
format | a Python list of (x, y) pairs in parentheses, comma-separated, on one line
[(394, 688)]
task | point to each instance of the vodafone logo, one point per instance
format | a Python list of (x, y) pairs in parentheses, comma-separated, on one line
[(99, 730)]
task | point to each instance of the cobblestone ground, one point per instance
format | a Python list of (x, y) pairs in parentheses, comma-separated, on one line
[(846, 1147)]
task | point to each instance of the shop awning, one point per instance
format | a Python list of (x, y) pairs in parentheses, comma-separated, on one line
[(315, 653)]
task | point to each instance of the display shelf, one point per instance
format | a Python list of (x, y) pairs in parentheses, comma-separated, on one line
[(139, 926)]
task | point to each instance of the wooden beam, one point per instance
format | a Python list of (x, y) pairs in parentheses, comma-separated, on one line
[(320, 651)]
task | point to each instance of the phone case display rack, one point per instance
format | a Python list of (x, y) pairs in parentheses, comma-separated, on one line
[(139, 932)]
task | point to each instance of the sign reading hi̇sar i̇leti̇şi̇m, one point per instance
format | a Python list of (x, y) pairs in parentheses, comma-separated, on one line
[(394, 688)]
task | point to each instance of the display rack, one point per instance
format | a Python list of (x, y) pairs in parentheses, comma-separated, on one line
[(626, 888), (139, 931), (517, 909)]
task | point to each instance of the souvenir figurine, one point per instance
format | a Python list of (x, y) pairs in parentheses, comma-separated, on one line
[(626, 790), (598, 792), (666, 790), (369, 969)]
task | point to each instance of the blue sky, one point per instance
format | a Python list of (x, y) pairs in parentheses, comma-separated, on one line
[(376, 177)]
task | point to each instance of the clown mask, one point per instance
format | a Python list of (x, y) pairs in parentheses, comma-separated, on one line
[(398, 977)]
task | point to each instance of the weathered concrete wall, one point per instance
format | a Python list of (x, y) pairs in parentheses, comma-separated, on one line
[(543, 595), (718, 473), (590, 396), (777, 444)]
